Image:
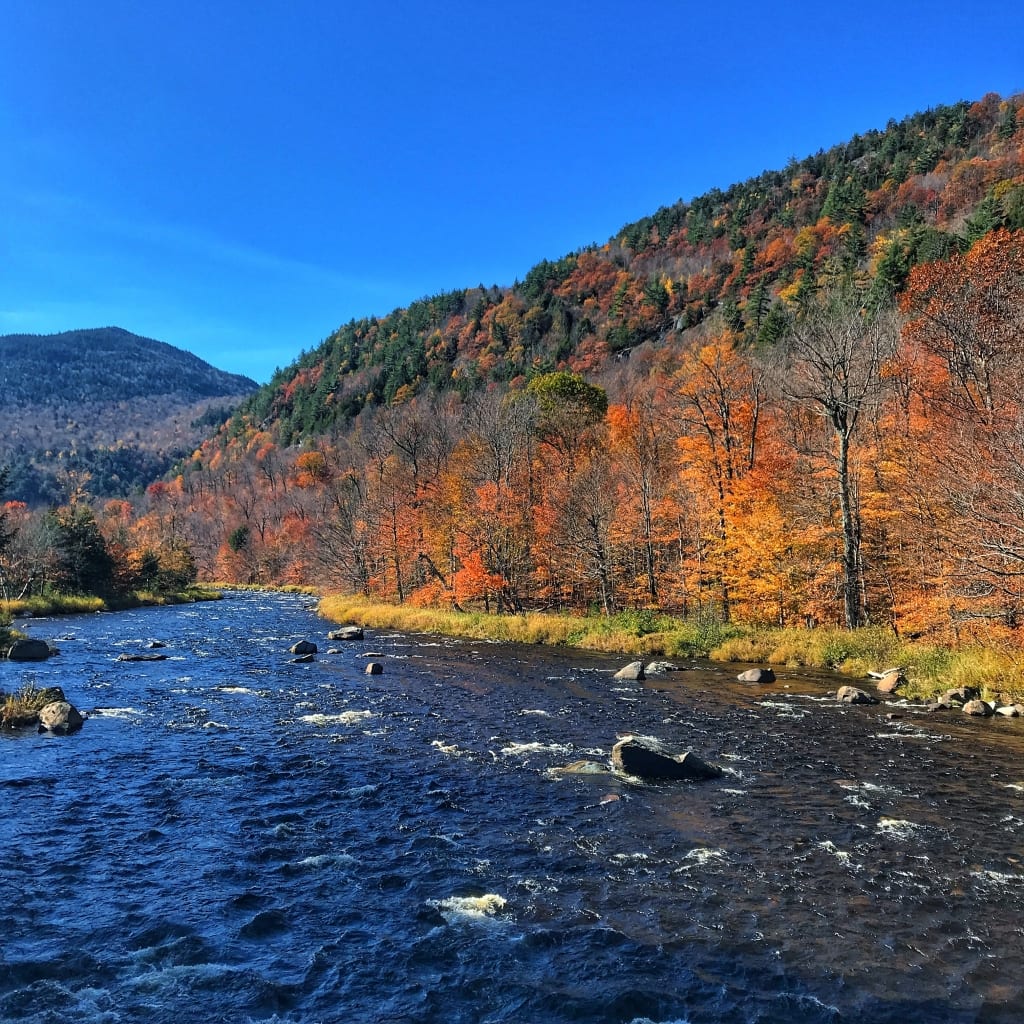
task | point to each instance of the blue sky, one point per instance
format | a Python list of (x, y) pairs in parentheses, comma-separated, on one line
[(238, 179)]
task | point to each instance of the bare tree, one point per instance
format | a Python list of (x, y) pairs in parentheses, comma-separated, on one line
[(832, 361)]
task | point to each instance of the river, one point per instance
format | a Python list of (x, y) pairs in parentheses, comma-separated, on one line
[(233, 837)]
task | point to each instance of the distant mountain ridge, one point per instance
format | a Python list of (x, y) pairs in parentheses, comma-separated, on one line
[(104, 408), (108, 364)]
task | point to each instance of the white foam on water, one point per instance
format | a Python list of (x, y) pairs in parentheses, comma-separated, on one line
[(446, 748), (129, 713), (471, 909), (515, 749), (233, 689), (543, 714), (899, 828), (1017, 787), (997, 877), (840, 855), (215, 725), (700, 857), (622, 857), (345, 718)]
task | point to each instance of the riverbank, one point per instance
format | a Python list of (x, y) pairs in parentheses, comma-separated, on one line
[(855, 653), (78, 604)]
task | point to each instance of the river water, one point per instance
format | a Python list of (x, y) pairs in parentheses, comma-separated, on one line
[(233, 837)]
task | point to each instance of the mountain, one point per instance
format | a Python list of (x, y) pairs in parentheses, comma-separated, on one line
[(104, 408), (918, 190)]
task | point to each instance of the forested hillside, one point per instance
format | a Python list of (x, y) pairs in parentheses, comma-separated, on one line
[(104, 410), (794, 400)]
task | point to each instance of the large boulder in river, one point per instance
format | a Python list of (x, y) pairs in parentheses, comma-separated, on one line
[(645, 758), (29, 649), (634, 670), (854, 695), (346, 633), (757, 675), (303, 647), (60, 717)]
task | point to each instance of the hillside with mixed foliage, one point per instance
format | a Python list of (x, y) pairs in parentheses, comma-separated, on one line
[(917, 190), (104, 410), (796, 400)]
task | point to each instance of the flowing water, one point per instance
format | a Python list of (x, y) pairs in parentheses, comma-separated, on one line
[(234, 837)]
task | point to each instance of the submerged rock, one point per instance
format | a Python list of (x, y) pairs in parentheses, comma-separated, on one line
[(582, 768), (302, 659), (854, 695), (142, 657), (346, 633), (29, 649), (634, 670), (60, 718), (757, 675), (636, 755), (657, 668)]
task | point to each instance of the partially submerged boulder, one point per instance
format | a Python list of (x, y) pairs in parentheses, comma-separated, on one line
[(658, 668), (346, 633), (303, 647), (142, 657), (373, 668), (978, 709), (645, 758), (634, 670), (60, 718), (757, 675), (29, 649), (854, 695)]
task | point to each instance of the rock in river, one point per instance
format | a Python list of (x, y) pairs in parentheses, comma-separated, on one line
[(637, 755), (757, 675), (60, 717), (634, 670), (346, 633), (27, 649), (303, 647), (854, 695)]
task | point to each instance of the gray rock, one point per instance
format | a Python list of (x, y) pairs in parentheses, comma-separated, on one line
[(635, 755), (960, 695), (854, 695), (373, 668), (28, 649), (60, 717), (346, 633), (757, 675), (302, 659), (303, 647), (978, 708), (582, 768), (1008, 710), (634, 670), (155, 644), (142, 657), (657, 668)]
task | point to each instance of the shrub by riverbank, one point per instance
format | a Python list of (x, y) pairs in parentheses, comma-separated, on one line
[(855, 653)]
